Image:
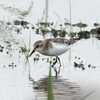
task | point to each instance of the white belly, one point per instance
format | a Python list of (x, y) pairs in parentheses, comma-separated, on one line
[(57, 49)]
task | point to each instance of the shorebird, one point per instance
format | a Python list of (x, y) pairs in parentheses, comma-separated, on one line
[(53, 47)]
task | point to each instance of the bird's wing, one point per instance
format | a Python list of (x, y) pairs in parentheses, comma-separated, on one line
[(26, 12), (58, 40), (18, 11), (10, 9), (47, 44)]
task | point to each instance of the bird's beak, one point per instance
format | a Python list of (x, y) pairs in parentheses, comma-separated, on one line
[(32, 52)]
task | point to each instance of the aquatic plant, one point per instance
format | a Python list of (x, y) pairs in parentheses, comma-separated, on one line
[(50, 88)]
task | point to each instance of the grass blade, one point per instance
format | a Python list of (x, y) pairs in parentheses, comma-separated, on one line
[(50, 89)]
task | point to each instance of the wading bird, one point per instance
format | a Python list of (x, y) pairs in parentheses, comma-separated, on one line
[(53, 47)]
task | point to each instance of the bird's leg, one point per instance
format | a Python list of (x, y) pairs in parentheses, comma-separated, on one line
[(59, 63), (54, 67)]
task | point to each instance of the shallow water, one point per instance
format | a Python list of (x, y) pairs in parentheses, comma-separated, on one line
[(62, 89)]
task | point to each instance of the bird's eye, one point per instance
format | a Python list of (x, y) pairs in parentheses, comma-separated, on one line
[(41, 45), (37, 46), (68, 43)]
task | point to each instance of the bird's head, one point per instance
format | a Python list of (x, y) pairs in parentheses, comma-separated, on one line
[(37, 46)]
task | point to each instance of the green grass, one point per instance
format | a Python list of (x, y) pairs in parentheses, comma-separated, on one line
[(50, 88)]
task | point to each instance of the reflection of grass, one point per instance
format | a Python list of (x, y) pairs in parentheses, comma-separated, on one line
[(50, 89)]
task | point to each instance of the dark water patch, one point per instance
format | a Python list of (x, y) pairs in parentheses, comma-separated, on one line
[(62, 89)]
